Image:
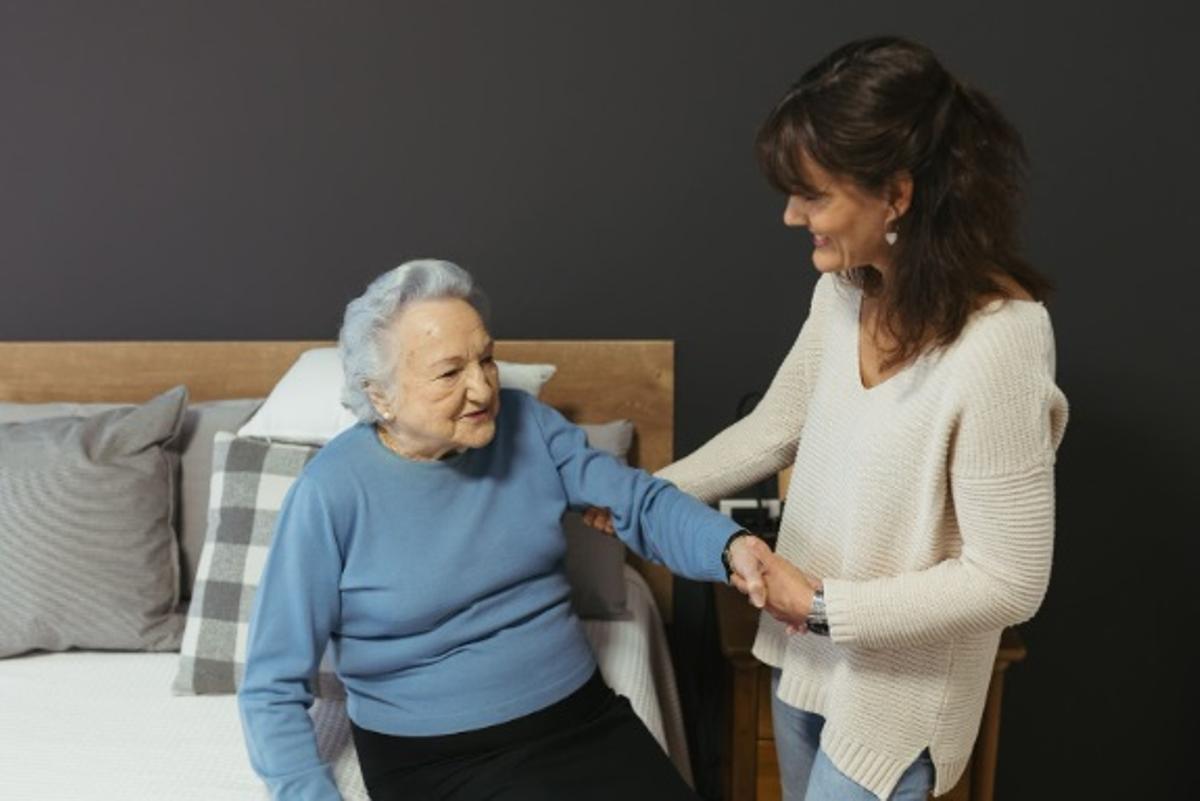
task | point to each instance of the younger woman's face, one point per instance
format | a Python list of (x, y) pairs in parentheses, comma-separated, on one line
[(847, 223)]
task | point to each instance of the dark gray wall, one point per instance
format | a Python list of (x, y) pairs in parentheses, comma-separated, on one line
[(240, 170)]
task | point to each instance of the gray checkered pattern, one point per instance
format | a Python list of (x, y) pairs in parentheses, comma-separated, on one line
[(250, 479)]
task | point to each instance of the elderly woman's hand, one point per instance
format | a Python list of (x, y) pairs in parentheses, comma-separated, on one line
[(745, 561), (789, 590)]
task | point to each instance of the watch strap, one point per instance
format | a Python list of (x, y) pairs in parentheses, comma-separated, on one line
[(725, 556), (817, 621)]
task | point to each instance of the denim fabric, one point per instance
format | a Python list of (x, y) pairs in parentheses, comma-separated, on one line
[(806, 772)]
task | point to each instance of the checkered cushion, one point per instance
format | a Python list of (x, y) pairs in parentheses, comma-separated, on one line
[(250, 479)]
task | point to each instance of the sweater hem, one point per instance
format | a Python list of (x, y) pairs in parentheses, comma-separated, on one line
[(864, 764), (383, 719), (946, 774), (879, 772), (867, 767)]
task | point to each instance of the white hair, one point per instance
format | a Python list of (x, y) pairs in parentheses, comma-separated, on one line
[(367, 357)]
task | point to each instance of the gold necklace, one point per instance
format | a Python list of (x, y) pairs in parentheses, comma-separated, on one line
[(386, 438)]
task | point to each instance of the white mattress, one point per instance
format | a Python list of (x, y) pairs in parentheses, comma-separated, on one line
[(83, 726)]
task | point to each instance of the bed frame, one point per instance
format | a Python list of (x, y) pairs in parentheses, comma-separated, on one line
[(597, 381)]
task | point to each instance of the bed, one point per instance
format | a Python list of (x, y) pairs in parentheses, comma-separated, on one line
[(87, 724)]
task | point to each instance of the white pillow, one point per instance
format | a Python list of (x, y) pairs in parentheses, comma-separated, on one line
[(306, 405), (525, 375)]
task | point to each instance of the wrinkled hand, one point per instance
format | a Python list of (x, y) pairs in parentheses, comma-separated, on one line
[(789, 590), (745, 557), (599, 519)]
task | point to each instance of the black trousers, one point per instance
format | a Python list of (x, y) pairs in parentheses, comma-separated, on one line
[(590, 745)]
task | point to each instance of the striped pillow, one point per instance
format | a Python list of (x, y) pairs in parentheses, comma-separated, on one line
[(250, 479), (88, 555)]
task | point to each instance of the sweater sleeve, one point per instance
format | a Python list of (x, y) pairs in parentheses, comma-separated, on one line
[(295, 608), (649, 514), (764, 442), (1002, 491)]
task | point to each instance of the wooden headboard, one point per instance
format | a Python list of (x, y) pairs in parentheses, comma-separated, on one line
[(597, 381)]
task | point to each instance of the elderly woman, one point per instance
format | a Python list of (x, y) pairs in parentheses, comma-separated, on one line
[(425, 544), (920, 409)]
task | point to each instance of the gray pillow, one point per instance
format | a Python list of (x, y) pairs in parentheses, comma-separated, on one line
[(596, 561), (88, 556), (195, 443)]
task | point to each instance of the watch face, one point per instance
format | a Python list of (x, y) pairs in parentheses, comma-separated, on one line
[(818, 604)]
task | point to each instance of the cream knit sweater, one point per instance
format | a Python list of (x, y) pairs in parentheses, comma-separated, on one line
[(926, 504)]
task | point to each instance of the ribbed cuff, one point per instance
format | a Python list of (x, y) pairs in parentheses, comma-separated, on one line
[(841, 604)]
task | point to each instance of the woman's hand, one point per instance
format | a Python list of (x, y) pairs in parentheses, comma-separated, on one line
[(789, 590), (599, 519), (747, 568)]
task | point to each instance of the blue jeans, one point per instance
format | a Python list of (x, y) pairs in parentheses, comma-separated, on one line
[(806, 772)]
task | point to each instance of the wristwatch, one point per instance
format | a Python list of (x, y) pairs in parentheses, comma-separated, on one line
[(817, 621), (725, 555)]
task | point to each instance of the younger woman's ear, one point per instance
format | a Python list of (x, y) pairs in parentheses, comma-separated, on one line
[(900, 193)]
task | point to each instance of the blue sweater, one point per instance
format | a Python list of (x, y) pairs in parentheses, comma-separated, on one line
[(441, 584)]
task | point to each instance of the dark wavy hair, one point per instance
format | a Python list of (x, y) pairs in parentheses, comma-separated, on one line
[(877, 108)]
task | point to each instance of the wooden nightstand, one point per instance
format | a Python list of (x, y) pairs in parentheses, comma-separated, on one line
[(751, 772)]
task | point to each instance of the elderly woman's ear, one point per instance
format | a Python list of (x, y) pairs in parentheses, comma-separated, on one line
[(381, 402)]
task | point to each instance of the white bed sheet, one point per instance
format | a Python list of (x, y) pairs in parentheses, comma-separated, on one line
[(93, 726)]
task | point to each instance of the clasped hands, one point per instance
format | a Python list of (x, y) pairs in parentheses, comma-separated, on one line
[(769, 581)]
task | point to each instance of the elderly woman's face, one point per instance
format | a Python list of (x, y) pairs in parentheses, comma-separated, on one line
[(847, 223), (446, 385)]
